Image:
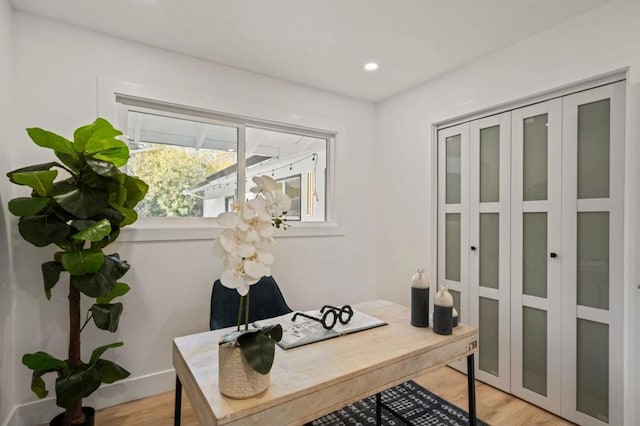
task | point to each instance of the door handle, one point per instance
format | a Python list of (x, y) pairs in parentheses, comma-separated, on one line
[(473, 248), (553, 254)]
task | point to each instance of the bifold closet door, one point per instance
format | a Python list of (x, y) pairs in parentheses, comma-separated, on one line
[(536, 254), (593, 174), (489, 257), (453, 215)]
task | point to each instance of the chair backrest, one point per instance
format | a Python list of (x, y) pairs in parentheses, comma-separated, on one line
[(265, 301)]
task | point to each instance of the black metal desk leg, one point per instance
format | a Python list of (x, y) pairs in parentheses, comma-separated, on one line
[(178, 403), (379, 409), (471, 385)]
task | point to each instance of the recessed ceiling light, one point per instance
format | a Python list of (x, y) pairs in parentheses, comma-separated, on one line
[(370, 66), (230, 150)]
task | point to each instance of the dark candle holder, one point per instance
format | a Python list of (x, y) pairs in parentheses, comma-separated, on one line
[(420, 307), (443, 320)]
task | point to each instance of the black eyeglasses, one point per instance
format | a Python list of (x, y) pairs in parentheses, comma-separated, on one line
[(330, 316)]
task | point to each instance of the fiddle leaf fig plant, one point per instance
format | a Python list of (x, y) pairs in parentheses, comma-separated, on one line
[(79, 204)]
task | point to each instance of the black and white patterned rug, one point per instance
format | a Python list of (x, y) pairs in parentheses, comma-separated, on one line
[(416, 405)]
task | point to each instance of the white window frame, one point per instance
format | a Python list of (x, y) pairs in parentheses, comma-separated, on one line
[(116, 98)]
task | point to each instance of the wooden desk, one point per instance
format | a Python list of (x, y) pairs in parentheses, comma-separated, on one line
[(313, 380)]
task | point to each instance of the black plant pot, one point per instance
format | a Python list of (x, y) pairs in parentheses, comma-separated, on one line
[(89, 413)]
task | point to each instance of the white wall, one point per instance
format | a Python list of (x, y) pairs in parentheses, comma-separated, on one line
[(601, 41), (56, 71), (6, 283)]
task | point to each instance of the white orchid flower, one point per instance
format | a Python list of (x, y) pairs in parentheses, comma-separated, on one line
[(246, 242), (264, 257), (264, 184), (256, 270), (234, 278), (229, 240), (228, 219)]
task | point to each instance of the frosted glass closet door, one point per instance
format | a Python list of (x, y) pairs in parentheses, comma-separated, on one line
[(489, 257), (453, 215), (536, 254), (593, 173)]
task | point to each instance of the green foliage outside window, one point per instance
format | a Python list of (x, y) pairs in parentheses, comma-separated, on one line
[(169, 170)]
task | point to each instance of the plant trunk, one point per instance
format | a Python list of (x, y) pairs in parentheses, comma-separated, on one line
[(74, 414)]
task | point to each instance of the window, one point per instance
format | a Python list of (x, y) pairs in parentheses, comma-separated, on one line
[(193, 161), (228, 203), (291, 186)]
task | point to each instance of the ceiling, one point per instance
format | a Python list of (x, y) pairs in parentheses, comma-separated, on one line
[(323, 43)]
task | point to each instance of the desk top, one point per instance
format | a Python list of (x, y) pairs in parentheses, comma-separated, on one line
[(310, 381)]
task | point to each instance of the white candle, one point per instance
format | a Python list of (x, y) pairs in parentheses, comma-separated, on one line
[(419, 279), (444, 298)]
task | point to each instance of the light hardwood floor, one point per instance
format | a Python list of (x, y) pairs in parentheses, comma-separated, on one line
[(494, 407)]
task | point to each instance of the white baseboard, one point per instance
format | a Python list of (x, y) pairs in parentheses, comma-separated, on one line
[(10, 420), (43, 410)]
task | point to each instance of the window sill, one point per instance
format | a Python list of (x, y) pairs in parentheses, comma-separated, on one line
[(175, 229)]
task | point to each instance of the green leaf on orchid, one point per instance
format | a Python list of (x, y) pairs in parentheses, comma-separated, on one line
[(258, 350)]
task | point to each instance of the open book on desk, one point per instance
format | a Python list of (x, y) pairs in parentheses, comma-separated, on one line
[(303, 330)]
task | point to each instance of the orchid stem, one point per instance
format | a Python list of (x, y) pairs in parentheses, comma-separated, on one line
[(246, 314), (240, 311)]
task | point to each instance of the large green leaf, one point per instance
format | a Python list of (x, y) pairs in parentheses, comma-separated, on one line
[(47, 139), (121, 266), (130, 215), (42, 361), (27, 206), (43, 230), (97, 352), (40, 181), (70, 160), (50, 276), (112, 215), (35, 168), (37, 384), (79, 383), (101, 283), (100, 128), (136, 190), (83, 261), (258, 350), (95, 232), (107, 316), (110, 371), (108, 149), (119, 289), (83, 202), (103, 168)]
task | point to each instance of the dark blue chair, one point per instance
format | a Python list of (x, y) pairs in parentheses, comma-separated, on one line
[(265, 301)]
